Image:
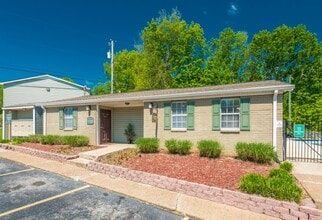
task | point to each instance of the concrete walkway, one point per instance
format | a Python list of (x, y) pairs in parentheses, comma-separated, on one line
[(178, 202), (310, 176)]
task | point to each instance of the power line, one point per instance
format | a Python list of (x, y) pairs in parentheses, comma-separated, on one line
[(30, 70)]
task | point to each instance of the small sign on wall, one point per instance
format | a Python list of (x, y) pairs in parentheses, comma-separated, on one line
[(8, 118), (90, 120), (279, 124)]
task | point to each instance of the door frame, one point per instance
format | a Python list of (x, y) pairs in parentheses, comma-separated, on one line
[(110, 125)]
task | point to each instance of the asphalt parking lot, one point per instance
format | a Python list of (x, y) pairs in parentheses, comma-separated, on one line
[(28, 193)]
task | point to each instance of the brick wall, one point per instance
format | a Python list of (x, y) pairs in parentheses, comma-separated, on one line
[(82, 127), (258, 204), (261, 112)]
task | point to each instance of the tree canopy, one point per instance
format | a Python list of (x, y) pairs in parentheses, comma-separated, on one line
[(176, 54)]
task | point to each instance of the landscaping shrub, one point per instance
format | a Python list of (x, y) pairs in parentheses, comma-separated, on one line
[(35, 138), (256, 152), (287, 166), (4, 141), (19, 140), (76, 140), (209, 148), (50, 139), (181, 147), (253, 183), (279, 184), (147, 145)]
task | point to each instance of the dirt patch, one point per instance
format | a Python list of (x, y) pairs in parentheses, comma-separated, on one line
[(61, 149)]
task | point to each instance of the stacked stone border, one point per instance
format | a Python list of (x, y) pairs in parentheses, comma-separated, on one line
[(258, 204), (39, 153)]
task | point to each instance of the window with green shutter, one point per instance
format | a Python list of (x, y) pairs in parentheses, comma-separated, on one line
[(216, 115), (167, 115), (244, 114), (190, 115), (61, 119), (68, 118)]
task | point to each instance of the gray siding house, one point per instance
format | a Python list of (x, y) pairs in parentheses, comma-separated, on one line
[(22, 113)]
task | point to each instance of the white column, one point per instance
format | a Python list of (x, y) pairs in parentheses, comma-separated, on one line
[(44, 120), (34, 120), (98, 131), (274, 118), (3, 123)]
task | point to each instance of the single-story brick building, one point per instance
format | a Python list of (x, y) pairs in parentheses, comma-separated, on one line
[(250, 112)]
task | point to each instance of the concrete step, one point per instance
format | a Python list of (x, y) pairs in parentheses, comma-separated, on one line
[(80, 162), (94, 154)]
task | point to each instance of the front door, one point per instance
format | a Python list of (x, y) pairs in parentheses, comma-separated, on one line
[(105, 126)]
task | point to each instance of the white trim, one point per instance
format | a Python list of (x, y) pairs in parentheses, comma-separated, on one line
[(3, 122), (20, 107), (192, 94), (274, 118), (98, 131), (34, 120)]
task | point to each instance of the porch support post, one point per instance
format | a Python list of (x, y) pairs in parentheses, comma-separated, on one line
[(98, 125), (44, 128), (274, 118), (3, 123), (34, 120)]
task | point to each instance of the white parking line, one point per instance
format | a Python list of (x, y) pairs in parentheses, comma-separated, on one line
[(20, 171), (42, 201)]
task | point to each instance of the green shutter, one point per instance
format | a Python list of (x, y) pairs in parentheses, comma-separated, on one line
[(244, 114), (61, 118), (190, 115), (167, 115), (216, 115), (75, 118)]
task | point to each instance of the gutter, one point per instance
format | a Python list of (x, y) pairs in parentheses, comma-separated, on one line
[(157, 97), (274, 118)]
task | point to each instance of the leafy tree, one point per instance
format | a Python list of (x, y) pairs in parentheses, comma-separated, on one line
[(129, 67), (68, 79), (290, 52), (101, 89), (227, 60), (174, 51)]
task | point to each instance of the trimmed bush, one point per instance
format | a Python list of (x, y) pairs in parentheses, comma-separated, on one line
[(76, 140), (287, 166), (35, 138), (4, 141), (255, 152), (147, 145), (50, 139), (181, 147), (279, 184), (253, 183), (209, 148), (19, 140)]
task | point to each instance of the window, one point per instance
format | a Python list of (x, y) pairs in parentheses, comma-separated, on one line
[(68, 118), (179, 115), (230, 114)]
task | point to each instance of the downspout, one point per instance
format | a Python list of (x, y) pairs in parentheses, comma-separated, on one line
[(44, 128), (34, 120), (274, 118), (3, 123)]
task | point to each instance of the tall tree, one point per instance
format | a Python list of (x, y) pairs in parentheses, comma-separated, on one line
[(290, 52), (226, 62), (174, 51)]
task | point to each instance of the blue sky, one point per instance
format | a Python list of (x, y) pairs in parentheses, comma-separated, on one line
[(70, 37)]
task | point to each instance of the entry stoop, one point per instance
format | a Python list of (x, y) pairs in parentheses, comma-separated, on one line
[(80, 162)]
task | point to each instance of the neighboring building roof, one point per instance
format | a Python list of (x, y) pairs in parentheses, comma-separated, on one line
[(43, 77), (261, 87)]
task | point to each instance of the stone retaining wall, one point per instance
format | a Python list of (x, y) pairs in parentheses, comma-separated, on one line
[(38, 153), (271, 207)]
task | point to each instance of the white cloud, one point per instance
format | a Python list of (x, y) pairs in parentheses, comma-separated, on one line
[(233, 9)]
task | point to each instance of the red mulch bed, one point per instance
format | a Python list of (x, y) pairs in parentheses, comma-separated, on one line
[(222, 172)]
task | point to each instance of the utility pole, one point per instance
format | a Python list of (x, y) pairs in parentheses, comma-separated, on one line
[(289, 101), (110, 55)]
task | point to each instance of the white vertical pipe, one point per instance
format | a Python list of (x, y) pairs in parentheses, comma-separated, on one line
[(3, 123), (44, 131), (34, 120), (98, 131), (274, 118)]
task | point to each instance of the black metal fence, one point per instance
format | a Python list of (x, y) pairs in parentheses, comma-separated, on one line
[(302, 143)]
